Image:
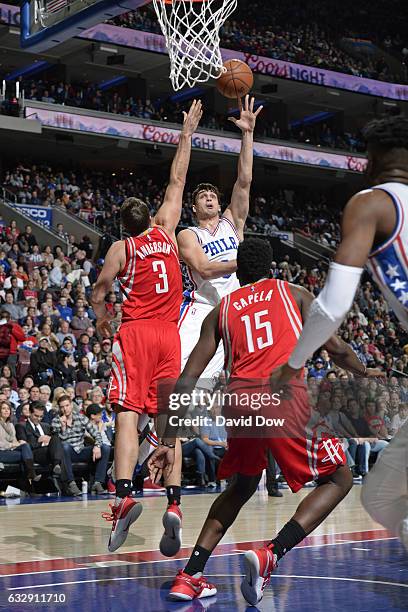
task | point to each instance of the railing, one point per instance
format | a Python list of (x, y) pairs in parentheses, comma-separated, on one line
[(8, 196)]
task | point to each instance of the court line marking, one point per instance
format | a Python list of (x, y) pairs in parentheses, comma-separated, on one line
[(118, 579), (170, 559), (313, 535)]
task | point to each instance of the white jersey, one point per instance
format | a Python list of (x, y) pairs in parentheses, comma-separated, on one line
[(388, 263), (219, 245)]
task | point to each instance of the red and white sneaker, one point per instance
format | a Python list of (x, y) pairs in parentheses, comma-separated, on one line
[(122, 517), (170, 543), (258, 566), (148, 485), (186, 588)]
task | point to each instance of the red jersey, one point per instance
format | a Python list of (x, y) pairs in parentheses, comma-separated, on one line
[(151, 280), (260, 325)]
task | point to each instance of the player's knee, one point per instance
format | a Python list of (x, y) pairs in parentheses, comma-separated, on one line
[(245, 486), (345, 479)]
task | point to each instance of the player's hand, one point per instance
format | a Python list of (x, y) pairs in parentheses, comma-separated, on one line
[(96, 453), (103, 326), (280, 378), (161, 463), (375, 373), (192, 118), (247, 120)]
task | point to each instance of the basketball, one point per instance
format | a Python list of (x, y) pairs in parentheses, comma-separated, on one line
[(237, 81)]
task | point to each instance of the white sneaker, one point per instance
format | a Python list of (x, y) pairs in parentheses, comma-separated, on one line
[(122, 517)]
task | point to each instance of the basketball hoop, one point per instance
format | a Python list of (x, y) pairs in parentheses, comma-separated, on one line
[(192, 32)]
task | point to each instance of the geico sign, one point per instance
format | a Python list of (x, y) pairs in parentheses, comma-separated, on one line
[(36, 213)]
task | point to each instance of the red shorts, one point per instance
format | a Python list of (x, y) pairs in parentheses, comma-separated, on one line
[(144, 352), (304, 448)]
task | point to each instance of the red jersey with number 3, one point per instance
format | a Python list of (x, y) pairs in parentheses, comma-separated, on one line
[(151, 281), (260, 325)]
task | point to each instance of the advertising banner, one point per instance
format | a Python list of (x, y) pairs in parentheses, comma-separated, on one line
[(164, 135), (40, 214), (263, 65)]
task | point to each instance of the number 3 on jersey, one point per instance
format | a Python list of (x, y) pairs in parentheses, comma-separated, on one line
[(263, 339), (160, 267)]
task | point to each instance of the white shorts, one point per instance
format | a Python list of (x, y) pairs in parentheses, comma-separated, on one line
[(191, 318)]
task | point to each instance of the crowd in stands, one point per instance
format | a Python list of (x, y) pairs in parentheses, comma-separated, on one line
[(308, 33), (96, 197), (119, 102), (55, 369)]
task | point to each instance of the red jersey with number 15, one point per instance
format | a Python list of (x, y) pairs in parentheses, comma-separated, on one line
[(151, 281), (260, 325)]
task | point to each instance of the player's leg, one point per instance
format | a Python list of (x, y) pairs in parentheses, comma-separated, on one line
[(131, 352), (385, 496), (165, 377), (334, 480), (125, 510), (189, 583), (170, 542)]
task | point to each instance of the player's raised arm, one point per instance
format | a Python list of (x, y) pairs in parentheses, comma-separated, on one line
[(114, 262), (238, 210), (169, 213)]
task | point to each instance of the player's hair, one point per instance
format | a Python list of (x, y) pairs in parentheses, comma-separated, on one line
[(254, 260), (135, 216), (206, 187), (388, 133)]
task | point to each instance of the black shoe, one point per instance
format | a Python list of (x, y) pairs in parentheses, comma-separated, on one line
[(200, 480), (275, 493)]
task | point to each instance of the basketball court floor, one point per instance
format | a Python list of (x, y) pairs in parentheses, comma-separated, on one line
[(53, 556)]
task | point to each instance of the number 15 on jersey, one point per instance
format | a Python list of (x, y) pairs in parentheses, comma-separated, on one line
[(263, 330)]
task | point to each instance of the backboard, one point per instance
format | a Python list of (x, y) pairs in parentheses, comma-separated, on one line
[(46, 23)]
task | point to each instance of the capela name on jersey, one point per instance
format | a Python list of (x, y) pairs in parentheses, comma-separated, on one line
[(253, 298)]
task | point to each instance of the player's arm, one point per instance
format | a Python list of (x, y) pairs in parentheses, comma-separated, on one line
[(237, 211), (162, 460), (191, 252), (169, 213), (327, 311), (114, 262), (200, 357)]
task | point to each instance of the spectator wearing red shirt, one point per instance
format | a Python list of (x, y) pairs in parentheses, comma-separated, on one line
[(10, 340), (375, 422)]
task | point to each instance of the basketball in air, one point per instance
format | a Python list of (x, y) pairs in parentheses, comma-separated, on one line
[(236, 80)]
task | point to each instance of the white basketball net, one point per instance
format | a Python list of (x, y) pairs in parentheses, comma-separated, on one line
[(192, 32)]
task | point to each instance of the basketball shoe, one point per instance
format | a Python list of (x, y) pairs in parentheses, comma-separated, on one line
[(122, 517), (186, 588), (171, 539), (258, 566)]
